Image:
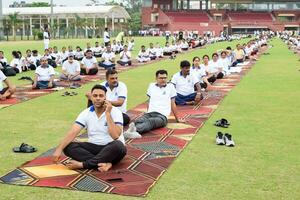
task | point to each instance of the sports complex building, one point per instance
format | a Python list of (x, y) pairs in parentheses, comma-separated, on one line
[(243, 16)]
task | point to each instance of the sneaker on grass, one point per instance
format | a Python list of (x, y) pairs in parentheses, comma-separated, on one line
[(220, 140), (228, 140)]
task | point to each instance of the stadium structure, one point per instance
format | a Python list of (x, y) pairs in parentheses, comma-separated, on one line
[(230, 16)]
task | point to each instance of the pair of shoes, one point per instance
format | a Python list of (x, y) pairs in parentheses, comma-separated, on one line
[(131, 133), (69, 94), (24, 148), (224, 123), (224, 139)]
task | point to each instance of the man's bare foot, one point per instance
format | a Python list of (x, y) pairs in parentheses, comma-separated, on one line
[(73, 164), (104, 167)]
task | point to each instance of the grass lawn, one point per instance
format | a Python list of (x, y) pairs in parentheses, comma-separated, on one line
[(264, 110)]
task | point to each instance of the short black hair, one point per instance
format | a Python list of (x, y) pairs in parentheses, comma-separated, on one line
[(196, 58), (205, 56), (99, 87), (110, 71), (34, 51), (214, 54), (185, 63), (228, 48), (223, 52), (161, 71), (87, 51)]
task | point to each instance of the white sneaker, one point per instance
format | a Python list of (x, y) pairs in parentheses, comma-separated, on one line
[(220, 140), (132, 127), (228, 140), (131, 135)]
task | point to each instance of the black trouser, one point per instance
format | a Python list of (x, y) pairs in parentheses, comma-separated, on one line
[(92, 71), (203, 85), (126, 118), (92, 154), (212, 79), (32, 67), (167, 53), (124, 63), (220, 75)]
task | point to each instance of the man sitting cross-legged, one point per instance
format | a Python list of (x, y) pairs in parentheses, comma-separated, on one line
[(185, 84), (44, 75), (5, 92), (89, 64), (70, 69), (161, 103), (116, 93), (105, 146)]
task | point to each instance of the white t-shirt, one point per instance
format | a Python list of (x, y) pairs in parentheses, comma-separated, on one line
[(46, 35), (152, 52), (184, 85), (117, 92), (2, 78), (198, 72), (64, 55), (107, 57), (71, 68), (106, 37), (213, 66), (224, 63), (125, 57), (16, 62), (44, 74), (97, 127), (88, 62), (3, 60), (160, 98), (79, 54), (144, 54)]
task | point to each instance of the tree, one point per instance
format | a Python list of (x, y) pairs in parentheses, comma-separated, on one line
[(14, 22), (39, 4), (79, 23)]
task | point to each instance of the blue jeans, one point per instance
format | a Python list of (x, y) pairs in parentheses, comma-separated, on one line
[(181, 99), (43, 84), (106, 66)]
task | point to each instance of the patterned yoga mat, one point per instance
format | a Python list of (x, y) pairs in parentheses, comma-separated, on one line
[(146, 160)]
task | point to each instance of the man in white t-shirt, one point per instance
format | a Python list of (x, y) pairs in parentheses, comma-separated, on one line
[(185, 84), (116, 93), (44, 75), (143, 55), (89, 64), (106, 37), (125, 57), (6, 92), (106, 144), (97, 50), (161, 103), (108, 58), (46, 36), (70, 69)]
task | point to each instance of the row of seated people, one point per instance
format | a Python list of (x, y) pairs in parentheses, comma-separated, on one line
[(106, 142)]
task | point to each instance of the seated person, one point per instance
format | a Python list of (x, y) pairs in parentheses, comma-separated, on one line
[(30, 60), (215, 67), (184, 45), (5, 92), (143, 55), (97, 50), (116, 93), (152, 52), (161, 102), (108, 58), (63, 55), (210, 77), (44, 75), (131, 45), (70, 69), (224, 63), (16, 63), (167, 51), (79, 54), (199, 72), (125, 57), (55, 55), (185, 84), (88, 47), (3, 61), (159, 51), (239, 55), (70, 50), (104, 125), (89, 64)]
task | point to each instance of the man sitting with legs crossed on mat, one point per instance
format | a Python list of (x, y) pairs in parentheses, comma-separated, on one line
[(161, 103), (105, 146), (5, 92)]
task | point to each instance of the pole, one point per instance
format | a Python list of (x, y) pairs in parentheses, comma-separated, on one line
[(1, 22)]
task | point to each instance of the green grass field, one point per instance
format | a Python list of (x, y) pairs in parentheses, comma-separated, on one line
[(264, 110)]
